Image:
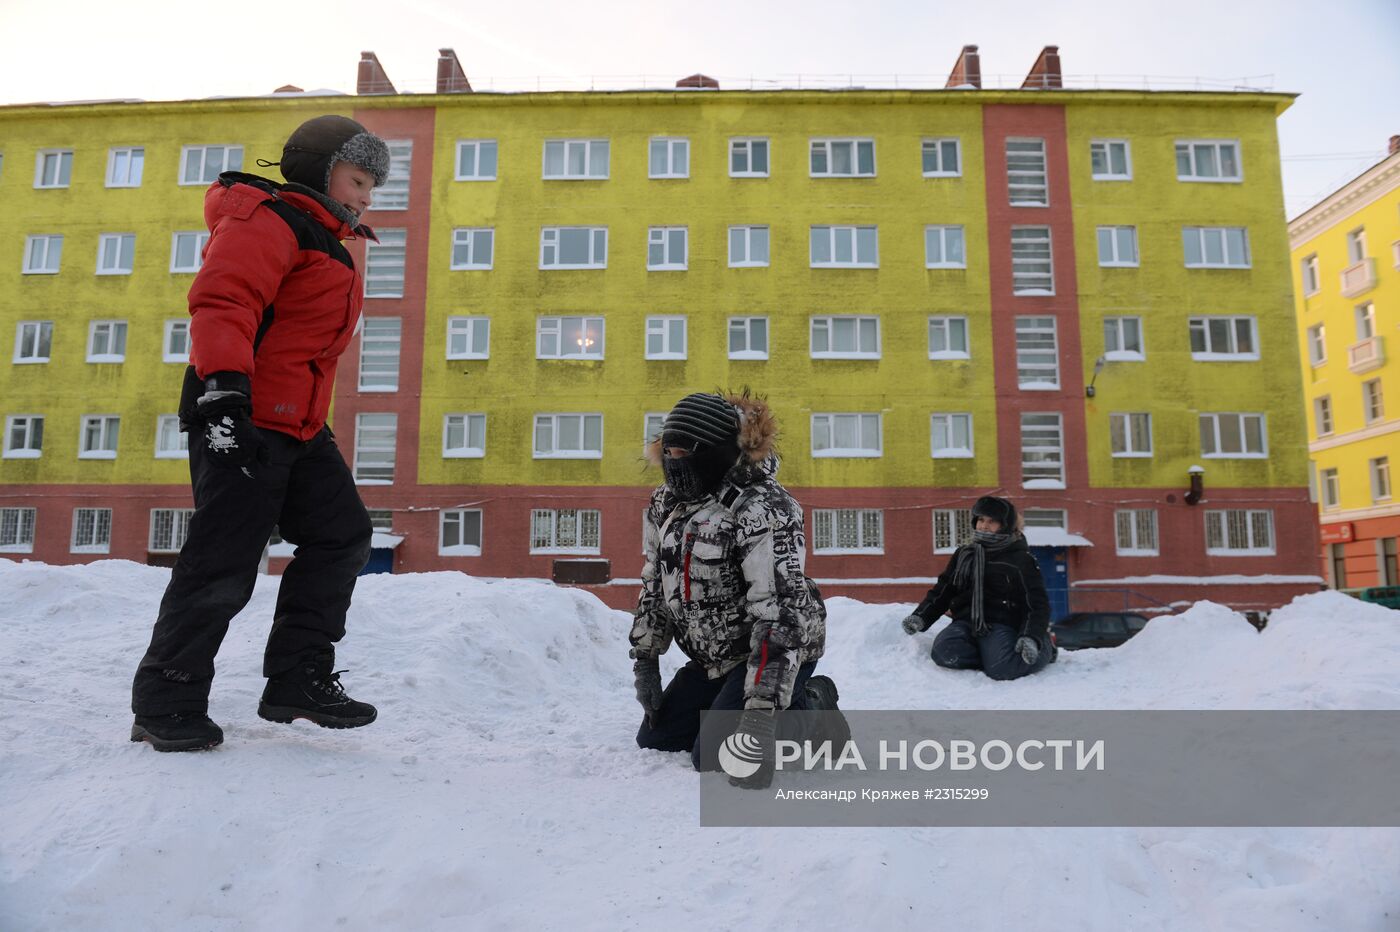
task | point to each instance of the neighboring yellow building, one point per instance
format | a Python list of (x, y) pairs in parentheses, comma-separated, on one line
[(1346, 275)]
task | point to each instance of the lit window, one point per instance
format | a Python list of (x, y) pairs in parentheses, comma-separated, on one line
[(569, 338)]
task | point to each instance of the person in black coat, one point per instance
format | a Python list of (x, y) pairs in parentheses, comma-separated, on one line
[(993, 589)]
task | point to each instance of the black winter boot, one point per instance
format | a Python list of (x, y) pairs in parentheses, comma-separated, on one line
[(179, 731), (319, 699), (822, 697)]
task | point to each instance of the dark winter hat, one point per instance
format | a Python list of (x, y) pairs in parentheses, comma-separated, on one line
[(701, 420), (998, 509), (316, 145)]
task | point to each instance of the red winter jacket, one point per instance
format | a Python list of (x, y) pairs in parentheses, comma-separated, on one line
[(278, 299)]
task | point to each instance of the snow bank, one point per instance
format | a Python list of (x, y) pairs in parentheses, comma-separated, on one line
[(501, 787)]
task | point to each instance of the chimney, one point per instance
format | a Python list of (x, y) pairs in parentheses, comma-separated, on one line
[(967, 69), (372, 78), (1045, 73), (288, 89), (451, 79), (1394, 144), (698, 80)]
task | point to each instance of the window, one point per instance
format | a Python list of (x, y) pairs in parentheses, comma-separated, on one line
[(1122, 339), (943, 247), (384, 264), (1239, 532), (666, 249), (748, 338), (24, 436), (942, 158), (748, 247), (1025, 173), (1136, 532), (748, 158), (175, 345), (1233, 435), (569, 338), (565, 530), (1311, 281), (1130, 434), (169, 529), (381, 519), (42, 254), (845, 337), (1380, 479), (952, 435), (1227, 339), (845, 247), (652, 422), (1216, 247), (463, 436), (92, 530), (124, 167), (393, 193), (1372, 401), (1208, 160), (574, 248), (106, 341), (1109, 160), (1118, 247), (668, 158), (1331, 488), (171, 442), (476, 160), (115, 253), (947, 338), (1322, 415), (98, 440), (1356, 245), (951, 529), (374, 448), (1317, 345), (665, 338), (33, 341), (1032, 266), (53, 168), (575, 159), (187, 251), (846, 435), (1056, 518), (848, 530), (459, 532), (379, 354), (568, 436), (1042, 452), (1037, 354), (1337, 561), (1365, 321), (468, 338), (473, 248), (1389, 565), (843, 158), (204, 164), (16, 530)]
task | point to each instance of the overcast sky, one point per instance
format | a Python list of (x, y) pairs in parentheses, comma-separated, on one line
[(1342, 56)]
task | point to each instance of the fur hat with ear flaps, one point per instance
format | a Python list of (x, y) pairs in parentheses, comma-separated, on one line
[(316, 145), (758, 427)]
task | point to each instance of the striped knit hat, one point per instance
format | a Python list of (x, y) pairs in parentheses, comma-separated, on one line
[(701, 420)]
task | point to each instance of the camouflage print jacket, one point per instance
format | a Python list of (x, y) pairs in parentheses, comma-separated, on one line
[(725, 577)]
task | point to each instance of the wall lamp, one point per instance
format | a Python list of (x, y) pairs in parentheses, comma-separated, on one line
[(1098, 367), (1198, 484)]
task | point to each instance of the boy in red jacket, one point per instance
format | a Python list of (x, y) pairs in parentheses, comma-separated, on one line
[(274, 305)]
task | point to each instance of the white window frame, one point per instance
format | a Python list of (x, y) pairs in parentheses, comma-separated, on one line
[(1356, 245), (466, 326), (167, 340), (114, 331), (551, 238), (1133, 544), (672, 145), (52, 254), (471, 239), (135, 166), (168, 427), (393, 194), (1381, 488), (64, 166), (377, 346), (1372, 401), (392, 252), (469, 422), (1322, 415), (746, 325), (1202, 323), (24, 523), (826, 422), (594, 150), (832, 235), (101, 538), (652, 423), (748, 233), (187, 152), (1120, 239), (105, 243), (582, 516), (555, 326), (1118, 326), (746, 145), (1033, 283), (1122, 434), (949, 421), (1329, 483), (31, 446), (174, 536), (826, 146), (371, 448), (663, 326), (463, 549), (1364, 316), (40, 329), (826, 325), (1252, 518), (109, 433), (1316, 337), (948, 324), (935, 145), (1031, 351), (553, 420), (1043, 458), (1213, 421), (1312, 279), (477, 145), (1193, 173), (665, 238), (1021, 183), (956, 528), (1200, 235), (201, 239), (824, 524), (940, 238), (1106, 147)]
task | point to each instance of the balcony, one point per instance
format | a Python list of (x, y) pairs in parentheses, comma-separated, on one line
[(1359, 278), (1366, 355)]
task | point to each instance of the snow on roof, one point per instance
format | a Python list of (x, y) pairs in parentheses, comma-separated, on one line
[(1231, 579), (1055, 537)]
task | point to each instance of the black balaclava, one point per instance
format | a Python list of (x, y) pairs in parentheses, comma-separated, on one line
[(708, 426), (313, 149)]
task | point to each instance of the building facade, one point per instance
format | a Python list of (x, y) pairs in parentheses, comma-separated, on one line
[(1346, 273), (1079, 299)]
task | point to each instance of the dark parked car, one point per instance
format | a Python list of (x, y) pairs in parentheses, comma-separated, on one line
[(1096, 629)]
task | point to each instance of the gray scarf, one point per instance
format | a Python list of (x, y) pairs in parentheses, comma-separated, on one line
[(972, 566)]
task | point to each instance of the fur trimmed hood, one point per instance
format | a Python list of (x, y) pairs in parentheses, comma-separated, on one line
[(758, 429)]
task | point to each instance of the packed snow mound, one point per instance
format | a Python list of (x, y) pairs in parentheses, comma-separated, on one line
[(501, 786)]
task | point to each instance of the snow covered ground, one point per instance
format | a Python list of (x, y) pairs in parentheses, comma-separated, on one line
[(501, 787)]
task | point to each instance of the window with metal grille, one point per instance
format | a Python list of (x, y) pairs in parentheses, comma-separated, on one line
[(1239, 532), (952, 527), (169, 529), (17, 530), (565, 530), (848, 530), (379, 354), (1025, 173), (92, 530), (1136, 532)]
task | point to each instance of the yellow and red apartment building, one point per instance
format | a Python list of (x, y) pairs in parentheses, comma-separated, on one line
[(1346, 269), (1079, 299)]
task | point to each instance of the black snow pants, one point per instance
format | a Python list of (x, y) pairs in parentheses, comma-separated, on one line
[(994, 653)]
